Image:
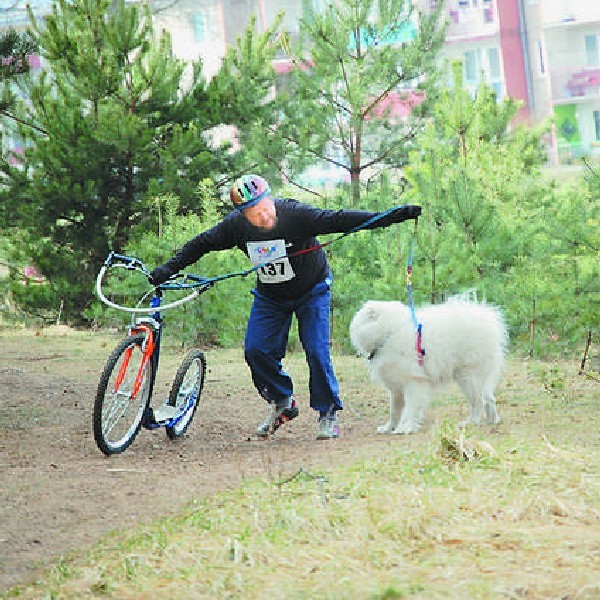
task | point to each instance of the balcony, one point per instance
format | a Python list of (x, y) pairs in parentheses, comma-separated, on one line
[(569, 14), (586, 82), (471, 19), (575, 84)]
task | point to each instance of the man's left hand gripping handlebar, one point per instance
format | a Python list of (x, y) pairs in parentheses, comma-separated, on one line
[(159, 275)]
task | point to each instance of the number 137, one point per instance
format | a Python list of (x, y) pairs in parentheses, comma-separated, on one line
[(273, 269)]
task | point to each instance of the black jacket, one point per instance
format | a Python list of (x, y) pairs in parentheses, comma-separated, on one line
[(289, 275)]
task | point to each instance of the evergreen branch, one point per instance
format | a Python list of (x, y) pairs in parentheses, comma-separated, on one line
[(383, 155), (590, 168), (328, 96), (71, 220), (290, 139), (380, 97), (346, 81), (166, 7), (9, 115), (335, 102), (345, 144), (288, 178), (229, 178)]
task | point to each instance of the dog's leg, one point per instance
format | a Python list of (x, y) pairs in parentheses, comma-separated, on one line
[(482, 401), (396, 407), (491, 413), (416, 399), (474, 394)]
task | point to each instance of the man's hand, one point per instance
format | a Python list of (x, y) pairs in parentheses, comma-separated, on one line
[(408, 211), (159, 275)]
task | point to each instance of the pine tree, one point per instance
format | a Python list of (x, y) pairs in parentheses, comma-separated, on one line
[(242, 92), (468, 172), (332, 106), (15, 49), (351, 60), (108, 121)]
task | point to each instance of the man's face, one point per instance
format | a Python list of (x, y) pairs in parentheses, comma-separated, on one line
[(262, 214)]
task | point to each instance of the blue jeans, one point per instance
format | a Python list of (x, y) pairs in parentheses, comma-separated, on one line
[(266, 342)]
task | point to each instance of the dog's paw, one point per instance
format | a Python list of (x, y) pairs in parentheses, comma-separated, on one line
[(475, 418), (492, 420), (491, 416), (406, 427), (384, 428)]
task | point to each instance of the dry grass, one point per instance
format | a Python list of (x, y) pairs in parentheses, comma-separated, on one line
[(506, 512)]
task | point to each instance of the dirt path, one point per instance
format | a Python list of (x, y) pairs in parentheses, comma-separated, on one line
[(58, 492)]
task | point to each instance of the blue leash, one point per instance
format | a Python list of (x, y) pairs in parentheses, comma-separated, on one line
[(411, 303)]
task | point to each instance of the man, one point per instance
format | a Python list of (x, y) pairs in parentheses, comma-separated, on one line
[(293, 278)]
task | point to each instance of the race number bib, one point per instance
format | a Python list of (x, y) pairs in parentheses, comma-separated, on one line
[(261, 253)]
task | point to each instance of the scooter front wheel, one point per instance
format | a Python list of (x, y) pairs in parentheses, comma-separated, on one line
[(118, 416)]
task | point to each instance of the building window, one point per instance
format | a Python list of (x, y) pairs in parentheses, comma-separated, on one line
[(494, 64), (471, 67), (483, 65), (494, 72), (597, 124), (592, 55), (497, 87), (473, 3), (200, 27)]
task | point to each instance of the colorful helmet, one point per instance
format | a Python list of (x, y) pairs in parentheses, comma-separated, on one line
[(248, 190)]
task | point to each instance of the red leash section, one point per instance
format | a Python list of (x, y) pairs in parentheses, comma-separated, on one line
[(311, 249), (368, 222)]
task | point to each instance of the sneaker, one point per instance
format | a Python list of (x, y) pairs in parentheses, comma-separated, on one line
[(327, 427), (276, 418)]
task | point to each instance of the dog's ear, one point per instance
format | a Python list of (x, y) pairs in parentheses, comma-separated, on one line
[(370, 311)]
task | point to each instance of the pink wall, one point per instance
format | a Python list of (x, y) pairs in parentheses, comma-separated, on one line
[(513, 56)]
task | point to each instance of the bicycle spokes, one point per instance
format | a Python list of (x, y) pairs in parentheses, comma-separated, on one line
[(122, 404), (186, 391), (123, 395)]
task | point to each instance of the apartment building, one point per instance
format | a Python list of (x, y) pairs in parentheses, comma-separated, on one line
[(205, 28), (474, 37), (564, 50), (546, 53)]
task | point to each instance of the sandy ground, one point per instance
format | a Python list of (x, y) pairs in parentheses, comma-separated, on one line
[(58, 492)]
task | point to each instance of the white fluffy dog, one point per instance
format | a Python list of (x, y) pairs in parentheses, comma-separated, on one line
[(462, 341)]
